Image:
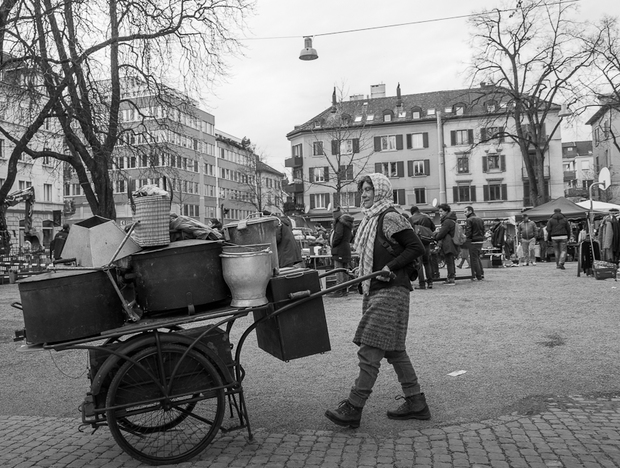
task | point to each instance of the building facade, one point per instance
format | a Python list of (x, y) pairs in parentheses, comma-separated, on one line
[(43, 174), (173, 144), (437, 147), (579, 169), (605, 125)]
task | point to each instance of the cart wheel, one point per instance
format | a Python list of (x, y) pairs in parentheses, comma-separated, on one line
[(158, 425)]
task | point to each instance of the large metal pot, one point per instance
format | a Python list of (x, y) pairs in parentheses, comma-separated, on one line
[(256, 231), (183, 275), (68, 305)]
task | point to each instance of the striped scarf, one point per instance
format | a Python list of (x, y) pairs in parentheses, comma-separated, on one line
[(365, 238)]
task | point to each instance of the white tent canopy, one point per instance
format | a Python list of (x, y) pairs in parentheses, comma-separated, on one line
[(598, 205)]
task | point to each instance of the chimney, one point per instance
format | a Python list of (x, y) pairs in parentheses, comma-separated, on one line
[(399, 102), (377, 91)]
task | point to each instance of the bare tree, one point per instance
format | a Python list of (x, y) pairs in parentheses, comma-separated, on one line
[(530, 56), (345, 144), (603, 83), (78, 58)]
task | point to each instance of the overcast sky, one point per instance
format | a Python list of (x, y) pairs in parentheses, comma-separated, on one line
[(270, 90)]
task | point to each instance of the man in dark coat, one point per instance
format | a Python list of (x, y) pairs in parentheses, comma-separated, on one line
[(341, 247), (444, 237), (474, 231), (558, 230), (420, 219)]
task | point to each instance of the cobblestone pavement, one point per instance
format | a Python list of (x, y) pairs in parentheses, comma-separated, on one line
[(575, 431)]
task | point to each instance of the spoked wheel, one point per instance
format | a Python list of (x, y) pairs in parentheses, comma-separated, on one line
[(159, 423)]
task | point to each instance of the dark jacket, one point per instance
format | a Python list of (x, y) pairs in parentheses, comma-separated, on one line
[(289, 251), (558, 225), (422, 220), (446, 233), (474, 228), (498, 236), (527, 230), (341, 238), (412, 248)]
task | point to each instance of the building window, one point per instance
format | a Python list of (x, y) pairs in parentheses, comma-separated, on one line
[(418, 168), (388, 169), (2, 148), (416, 113), (388, 143), (417, 140), (399, 197), (461, 137), (387, 116), (430, 112), (24, 184), (319, 200), (494, 163), (462, 164), (459, 109), (47, 192), (297, 151), (464, 193), (495, 191), (347, 199), (319, 174), (491, 106), (491, 133), (317, 148), (420, 195), (345, 172)]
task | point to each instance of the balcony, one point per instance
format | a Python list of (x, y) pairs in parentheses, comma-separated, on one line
[(524, 173), (570, 175), (294, 187), (295, 161), (576, 192)]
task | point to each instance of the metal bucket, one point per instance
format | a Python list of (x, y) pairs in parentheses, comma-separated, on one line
[(254, 231), (247, 274)]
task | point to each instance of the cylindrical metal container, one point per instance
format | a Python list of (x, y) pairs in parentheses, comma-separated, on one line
[(183, 274), (256, 231), (68, 305), (247, 275)]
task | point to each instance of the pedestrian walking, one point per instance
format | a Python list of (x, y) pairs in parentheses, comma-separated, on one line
[(526, 233), (385, 242), (444, 240), (425, 230), (341, 247), (474, 231), (559, 231)]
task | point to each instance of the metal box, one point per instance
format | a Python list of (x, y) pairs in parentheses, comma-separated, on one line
[(68, 305), (300, 331), (92, 242), (183, 275)]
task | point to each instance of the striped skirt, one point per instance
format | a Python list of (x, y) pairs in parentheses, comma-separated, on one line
[(385, 317)]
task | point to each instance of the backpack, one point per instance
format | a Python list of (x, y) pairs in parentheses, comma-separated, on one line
[(395, 249), (459, 237), (424, 233)]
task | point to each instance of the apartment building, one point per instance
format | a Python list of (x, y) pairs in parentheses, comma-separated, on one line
[(579, 170), (605, 125), (170, 142), (444, 146), (43, 174)]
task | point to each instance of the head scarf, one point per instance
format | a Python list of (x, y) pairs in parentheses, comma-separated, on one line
[(365, 238)]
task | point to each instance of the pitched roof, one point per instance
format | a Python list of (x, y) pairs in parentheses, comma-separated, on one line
[(474, 101)]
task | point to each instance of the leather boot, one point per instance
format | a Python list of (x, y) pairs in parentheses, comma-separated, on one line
[(414, 407), (345, 415)]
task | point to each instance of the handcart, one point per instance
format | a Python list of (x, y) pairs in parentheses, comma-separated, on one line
[(163, 387)]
